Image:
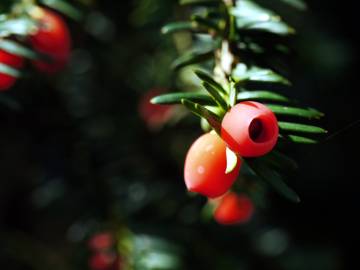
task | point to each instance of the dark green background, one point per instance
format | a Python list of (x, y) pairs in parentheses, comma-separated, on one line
[(73, 149)]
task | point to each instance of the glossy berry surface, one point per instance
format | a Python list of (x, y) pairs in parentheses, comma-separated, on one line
[(250, 129), (52, 39), (205, 166), (234, 209), (11, 60)]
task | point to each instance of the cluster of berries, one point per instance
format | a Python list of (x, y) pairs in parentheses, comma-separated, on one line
[(51, 40), (249, 129), (104, 255)]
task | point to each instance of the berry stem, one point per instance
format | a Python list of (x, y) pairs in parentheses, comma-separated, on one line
[(225, 57)]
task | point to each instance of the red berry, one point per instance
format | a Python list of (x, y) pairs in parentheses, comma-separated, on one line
[(102, 261), (101, 241), (6, 81), (52, 39), (234, 209), (250, 129), (205, 166), (14, 61), (154, 115), (11, 60)]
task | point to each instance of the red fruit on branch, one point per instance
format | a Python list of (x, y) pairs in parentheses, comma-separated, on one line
[(234, 209), (103, 261), (6, 81), (10, 59), (51, 39), (101, 241), (205, 166), (13, 61), (250, 129), (154, 115)]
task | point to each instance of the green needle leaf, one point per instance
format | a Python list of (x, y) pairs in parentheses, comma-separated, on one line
[(191, 58), (300, 139), (298, 4), (274, 179), (200, 2), (213, 119), (207, 78), (17, 49), (261, 95), (178, 26), (275, 27), (280, 160), (65, 8), (251, 16), (175, 98), (216, 96), (207, 23), (231, 161), (298, 112), (5, 69), (295, 127), (254, 73), (233, 94)]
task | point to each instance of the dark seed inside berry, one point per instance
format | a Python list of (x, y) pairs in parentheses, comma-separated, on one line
[(255, 130)]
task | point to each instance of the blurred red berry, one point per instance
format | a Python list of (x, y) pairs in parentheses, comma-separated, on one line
[(250, 129), (6, 81), (10, 59), (13, 61), (52, 39), (101, 241), (154, 115), (205, 166), (102, 261), (234, 209)]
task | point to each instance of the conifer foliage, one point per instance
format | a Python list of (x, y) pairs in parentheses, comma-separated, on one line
[(238, 72)]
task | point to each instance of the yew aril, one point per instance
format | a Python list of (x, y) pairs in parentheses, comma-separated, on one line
[(250, 129), (6, 81), (13, 61), (101, 241), (51, 39), (205, 167), (102, 261), (154, 115), (234, 209)]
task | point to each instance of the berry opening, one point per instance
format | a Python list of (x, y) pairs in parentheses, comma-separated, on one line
[(256, 130), (260, 130)]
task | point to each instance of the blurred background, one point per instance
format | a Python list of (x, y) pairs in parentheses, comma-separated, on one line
[(82, 154)]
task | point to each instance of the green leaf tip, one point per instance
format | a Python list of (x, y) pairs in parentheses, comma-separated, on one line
[(176, 97), (204, 76), (297, 112), (273, 179), (10, 71), (199, 2), (191, 58), (17, 49), (295, 127), (216, 96), (197, 109), (261, 96), (65, 8), (177, 26), (300, 139)]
